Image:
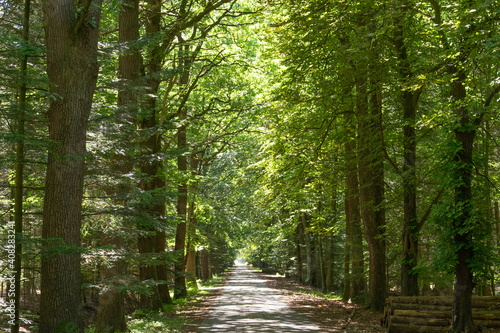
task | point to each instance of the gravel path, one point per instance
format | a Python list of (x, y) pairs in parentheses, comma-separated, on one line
[(247, 304)]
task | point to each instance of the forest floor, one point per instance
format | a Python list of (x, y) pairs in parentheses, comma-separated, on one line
[(329, 314)]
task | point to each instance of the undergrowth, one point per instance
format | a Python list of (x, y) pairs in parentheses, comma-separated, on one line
[(168, 320)]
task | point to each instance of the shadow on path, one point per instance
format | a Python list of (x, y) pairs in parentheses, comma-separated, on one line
[(248, 305)]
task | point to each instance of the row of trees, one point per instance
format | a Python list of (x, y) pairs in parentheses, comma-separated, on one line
[(118, 112), (144, 147), (382, 128)]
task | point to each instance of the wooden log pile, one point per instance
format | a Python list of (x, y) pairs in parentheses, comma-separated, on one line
[(432, 314)]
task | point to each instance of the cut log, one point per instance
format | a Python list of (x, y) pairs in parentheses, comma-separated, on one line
[(420, 321), (398, 328), (424, 307), (488, 323), (423, 314), (492, 302), (433, 313)]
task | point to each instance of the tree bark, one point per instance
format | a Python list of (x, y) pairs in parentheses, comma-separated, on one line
[(465, 134), (309, 255), (180, 236), (19, 170), (299, 234), (205, 265), (354, 236), (191, 227), (154, 241), (111, 308), (71, 35), (371, 184)]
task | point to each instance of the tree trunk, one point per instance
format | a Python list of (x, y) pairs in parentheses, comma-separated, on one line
[(299, 234), (330, 264), (354, 236), (180, 237), (205, 267), (321, 265), (371, 184), (309, 256), (155, 241), (409, 277), (465, 134), (19, 169), (111, 308), (71, 36), (191, 227)]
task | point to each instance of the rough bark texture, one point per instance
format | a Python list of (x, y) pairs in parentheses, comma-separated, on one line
[(465, 134), (371, 184), (71, 41), (111, 310), (409, 278), (154, 241)]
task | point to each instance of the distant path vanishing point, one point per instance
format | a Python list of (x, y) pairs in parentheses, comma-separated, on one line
[(247, 304)]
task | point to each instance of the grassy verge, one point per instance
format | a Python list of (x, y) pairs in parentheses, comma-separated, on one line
[(172, 318)]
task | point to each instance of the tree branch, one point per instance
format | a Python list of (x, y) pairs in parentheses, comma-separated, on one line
[(82, 17), (429, 210)]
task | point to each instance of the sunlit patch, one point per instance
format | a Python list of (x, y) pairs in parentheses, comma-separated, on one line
[(247, 304)]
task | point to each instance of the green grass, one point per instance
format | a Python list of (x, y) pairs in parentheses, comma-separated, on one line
[(320, 294), (161, 322), (144, 321)]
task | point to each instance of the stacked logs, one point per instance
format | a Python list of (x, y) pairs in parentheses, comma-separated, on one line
[(432, 314)]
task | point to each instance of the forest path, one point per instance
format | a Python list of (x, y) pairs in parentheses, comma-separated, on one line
[(247, 304)]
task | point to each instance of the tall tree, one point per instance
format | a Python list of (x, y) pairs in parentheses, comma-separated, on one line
[(152, 182), (410, 96), (354, 283), (19, 180), (111, 309), (71, 35), (461, 44)]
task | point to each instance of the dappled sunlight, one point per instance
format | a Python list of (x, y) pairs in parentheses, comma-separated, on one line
[(248, 305)]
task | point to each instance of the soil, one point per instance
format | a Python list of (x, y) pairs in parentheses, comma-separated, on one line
[(197, 308), (330, 315)]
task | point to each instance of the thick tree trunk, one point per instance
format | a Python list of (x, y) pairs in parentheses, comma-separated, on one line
[(111, 309), (465, 134), (409, 277), (154, 240), (71, 36), (371, 184)]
